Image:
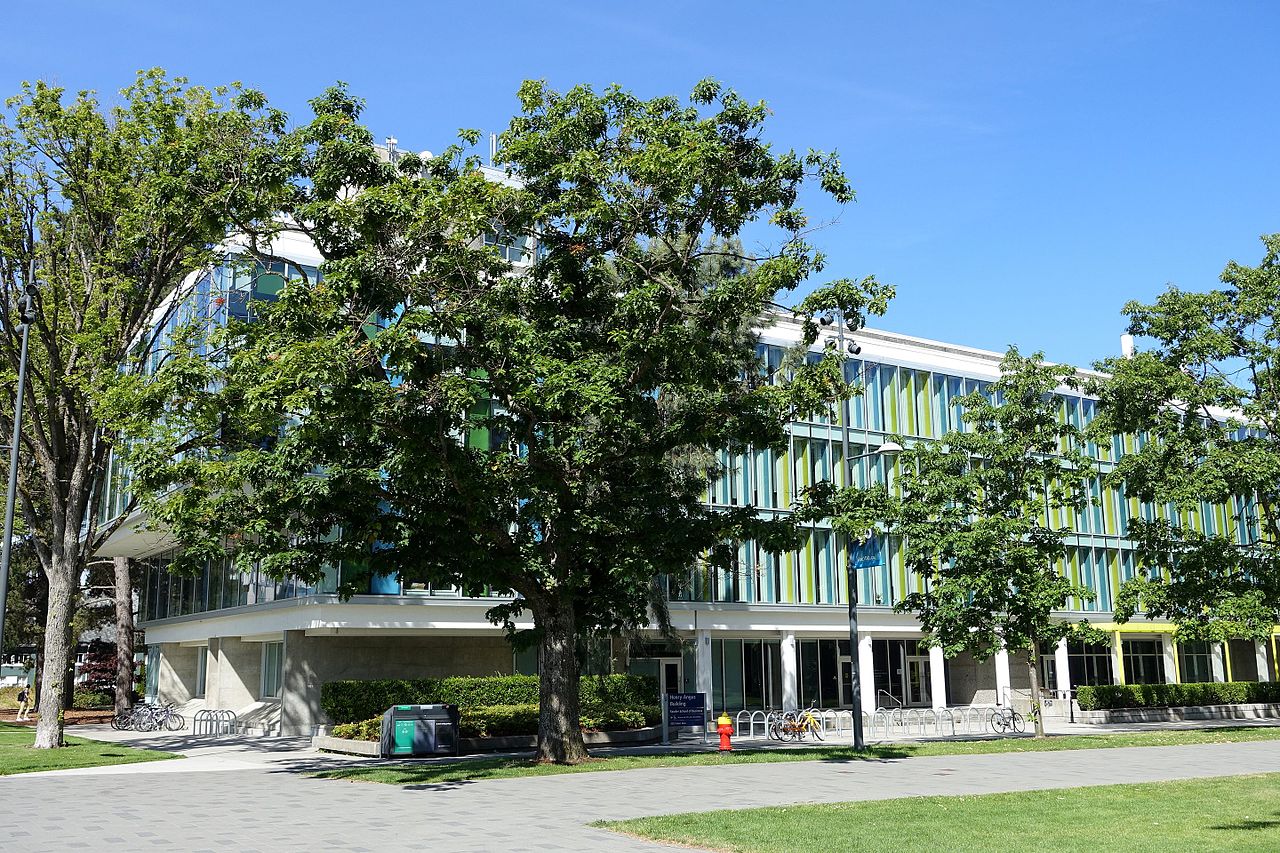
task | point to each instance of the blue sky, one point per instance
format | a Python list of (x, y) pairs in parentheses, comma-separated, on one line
[(1022, 170)]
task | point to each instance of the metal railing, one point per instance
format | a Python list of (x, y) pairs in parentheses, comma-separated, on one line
[(882, 692)]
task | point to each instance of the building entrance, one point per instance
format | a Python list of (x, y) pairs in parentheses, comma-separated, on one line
[(902, 673)]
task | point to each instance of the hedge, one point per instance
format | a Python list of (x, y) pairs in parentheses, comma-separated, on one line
[(353, 701), (504, 720), (1109, 696)]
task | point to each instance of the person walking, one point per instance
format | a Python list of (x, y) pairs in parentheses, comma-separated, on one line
[(24, 703)]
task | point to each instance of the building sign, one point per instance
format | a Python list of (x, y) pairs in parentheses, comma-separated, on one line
[(686, 709)]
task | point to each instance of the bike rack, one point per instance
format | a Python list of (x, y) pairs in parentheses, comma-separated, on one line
[(752, 719), (214, 722)]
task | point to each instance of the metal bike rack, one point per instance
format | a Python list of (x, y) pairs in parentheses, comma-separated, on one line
[(214, 722), (752, 719)]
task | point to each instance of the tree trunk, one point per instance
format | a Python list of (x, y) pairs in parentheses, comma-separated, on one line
[(559, 725), (124, 634), (58, 645), (1033, 668)]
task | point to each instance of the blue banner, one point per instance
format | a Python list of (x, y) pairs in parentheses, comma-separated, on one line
[(867, 554)]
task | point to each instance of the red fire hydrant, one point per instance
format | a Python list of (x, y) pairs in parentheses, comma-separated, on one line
[(725, 727)]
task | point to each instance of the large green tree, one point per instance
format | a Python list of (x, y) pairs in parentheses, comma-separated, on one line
[(974, 513), (1205, 396), (103, 212), (530, 416)]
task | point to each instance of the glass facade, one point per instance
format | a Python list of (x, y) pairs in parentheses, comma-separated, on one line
[(1090, 663), (1195, 661), (900, 401), (1143, 661), (272, 667)]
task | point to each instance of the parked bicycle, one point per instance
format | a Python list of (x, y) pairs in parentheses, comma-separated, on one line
[(1004, 720), (149, 717), (795, 725)]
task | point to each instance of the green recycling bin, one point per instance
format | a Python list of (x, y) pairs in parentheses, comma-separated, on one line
[(414, 730)]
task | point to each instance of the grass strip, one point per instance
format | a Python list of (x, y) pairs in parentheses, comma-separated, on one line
[(18, 756), (506, 768), (1238, 813)]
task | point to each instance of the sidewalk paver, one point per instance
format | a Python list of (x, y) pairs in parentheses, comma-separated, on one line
[(276, 807)]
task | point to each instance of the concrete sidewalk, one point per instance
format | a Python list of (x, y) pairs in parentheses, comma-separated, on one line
[(276, 807), (205, 753)]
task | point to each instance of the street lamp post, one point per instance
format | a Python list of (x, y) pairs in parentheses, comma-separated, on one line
[(24, 324), (886, 449)]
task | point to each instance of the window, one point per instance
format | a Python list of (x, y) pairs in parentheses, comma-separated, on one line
[(202, 670), (512, 248), (1143, 662), (1195, 661), (272, 664), (1090, 664)]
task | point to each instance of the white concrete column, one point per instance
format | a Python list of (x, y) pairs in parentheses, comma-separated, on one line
[(703, 668), (1216, 662), (1260, 655), (1170, 659), (1062, 668), (1002, 676), (867, 673), (790, 672), (937, 677)]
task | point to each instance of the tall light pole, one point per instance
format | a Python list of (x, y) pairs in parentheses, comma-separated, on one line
[(24, 324), (886, 449)]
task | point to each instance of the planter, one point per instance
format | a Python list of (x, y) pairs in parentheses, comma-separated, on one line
[(328, 743), (1256, 711), (514, 743)]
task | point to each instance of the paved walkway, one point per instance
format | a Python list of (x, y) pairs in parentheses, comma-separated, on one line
[(274, 806)]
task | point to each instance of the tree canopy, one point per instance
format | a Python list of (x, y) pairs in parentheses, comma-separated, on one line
[(512, 379), (973, 514), (1205, 396), (103, 213)]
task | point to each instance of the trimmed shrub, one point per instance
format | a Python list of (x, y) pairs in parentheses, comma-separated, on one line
[(83, 699), (509, 720), (1113, 696), (363, 730), (352, 701)]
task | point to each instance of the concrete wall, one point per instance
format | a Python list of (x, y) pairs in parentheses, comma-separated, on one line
[(309, 662), (970, 682), (239, 677), (176, 679)]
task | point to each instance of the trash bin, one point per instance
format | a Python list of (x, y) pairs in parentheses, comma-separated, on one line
[(409, 730)]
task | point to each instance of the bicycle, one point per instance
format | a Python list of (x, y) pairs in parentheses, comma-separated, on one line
[(795, 725), (1004, 720)]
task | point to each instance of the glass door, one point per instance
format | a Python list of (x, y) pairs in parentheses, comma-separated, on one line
[(918, 681), (669, 679), (846, 681)]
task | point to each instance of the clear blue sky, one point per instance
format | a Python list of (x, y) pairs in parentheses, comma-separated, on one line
[(1022, 170)]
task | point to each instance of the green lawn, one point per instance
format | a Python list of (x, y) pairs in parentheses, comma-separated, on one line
[(1238, 813), (501, 768), (17, 756)]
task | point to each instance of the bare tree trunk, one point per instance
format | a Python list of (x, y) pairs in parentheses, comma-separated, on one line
[(124, 634), (1033, 668), (559, 718), (58, 645)]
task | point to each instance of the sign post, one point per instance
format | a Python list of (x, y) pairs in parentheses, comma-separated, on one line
[(683, 709)]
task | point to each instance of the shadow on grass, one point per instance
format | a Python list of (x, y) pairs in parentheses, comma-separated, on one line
[(1249, 824), (438, 774)]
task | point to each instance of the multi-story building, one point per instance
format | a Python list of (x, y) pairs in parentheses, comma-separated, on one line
[(771, 633)]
